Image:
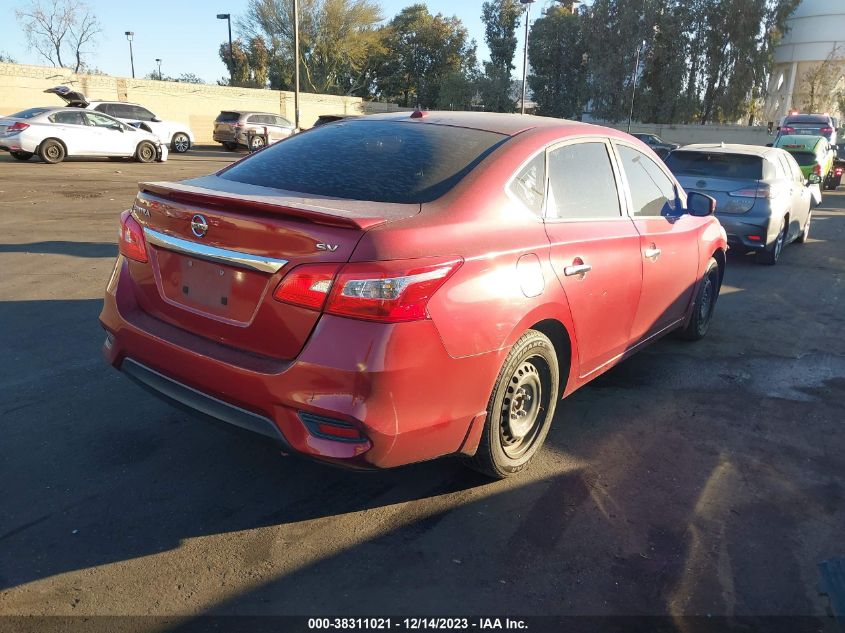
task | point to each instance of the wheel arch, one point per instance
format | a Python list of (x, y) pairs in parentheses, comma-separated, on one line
[(721, 259), (562, 342), (51, 138)]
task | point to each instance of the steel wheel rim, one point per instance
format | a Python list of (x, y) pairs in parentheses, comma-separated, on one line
[(181, 143), (53, 151), (523, 408), (257, 142), (146, 152)]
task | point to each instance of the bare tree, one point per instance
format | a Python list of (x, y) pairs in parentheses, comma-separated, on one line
[(821, 82), (54, 27)]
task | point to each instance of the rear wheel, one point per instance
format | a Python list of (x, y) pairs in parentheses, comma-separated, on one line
[(705, 304), (520, 409), (51, 151), (146, 152), (771, 254), (256, 143), (180, 143), (22, 155), (230, 146), (805, 234)]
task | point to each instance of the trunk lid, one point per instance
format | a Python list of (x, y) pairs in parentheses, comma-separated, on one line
[(720, 189), (217, 250), (69, 96)]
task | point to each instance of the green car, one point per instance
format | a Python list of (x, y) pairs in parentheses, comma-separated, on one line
[(814, 155)]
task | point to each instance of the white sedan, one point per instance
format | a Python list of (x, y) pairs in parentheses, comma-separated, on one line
[(57, 133)]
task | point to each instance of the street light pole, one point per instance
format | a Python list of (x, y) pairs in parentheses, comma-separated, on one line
[(228, 18), (296, 64), (159, 69), (634, 84), (129, 36), (527, 4)]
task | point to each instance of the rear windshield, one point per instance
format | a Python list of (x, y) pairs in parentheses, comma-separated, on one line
[(28, 114), (804, 158), (806, 118), (716, 165), (381, 161), (228, 117)]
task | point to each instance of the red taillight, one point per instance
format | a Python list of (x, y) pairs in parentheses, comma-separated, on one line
[(826, 130), (747, 192), (17, 127), (391, 291), (817, 169), (307, 285), (760, 191), (131, 242), (786, 129), (838, 171)]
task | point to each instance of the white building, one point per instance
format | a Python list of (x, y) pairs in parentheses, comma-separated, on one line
[(817, 28)]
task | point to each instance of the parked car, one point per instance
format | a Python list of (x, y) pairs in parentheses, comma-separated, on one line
[(176, 134), (657, 144), (813, 153), (400, 287), (253, 130), (323, 119), (762, 198), (809, 125), (57, 133)]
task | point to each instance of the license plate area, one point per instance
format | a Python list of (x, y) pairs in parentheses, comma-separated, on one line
[(217, 290)]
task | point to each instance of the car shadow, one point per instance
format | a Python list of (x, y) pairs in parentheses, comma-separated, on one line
[(62, 247)]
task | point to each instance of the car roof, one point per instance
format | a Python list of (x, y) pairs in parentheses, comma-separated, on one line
[(251, 112), (115, 103), (809, 118), (729, 148), (508, 124)]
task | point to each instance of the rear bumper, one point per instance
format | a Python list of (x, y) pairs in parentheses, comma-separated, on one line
[(740, 230), (395, 383)]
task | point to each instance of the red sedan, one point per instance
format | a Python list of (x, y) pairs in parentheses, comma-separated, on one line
[(395, 288)]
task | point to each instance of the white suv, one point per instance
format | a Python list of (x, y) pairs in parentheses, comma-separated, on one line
[(177, 135)]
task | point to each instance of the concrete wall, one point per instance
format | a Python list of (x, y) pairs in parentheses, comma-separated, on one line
[(23, 87), (686, 134)]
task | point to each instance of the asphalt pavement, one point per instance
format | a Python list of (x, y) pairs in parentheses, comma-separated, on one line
[(695, 478)]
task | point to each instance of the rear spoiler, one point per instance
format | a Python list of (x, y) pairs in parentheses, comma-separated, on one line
[(354, 214)]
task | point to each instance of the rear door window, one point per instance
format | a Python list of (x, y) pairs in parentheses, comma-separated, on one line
[(106, 108), (141, 114), (581, 183), (652, 191), (68, 118), (381, 161)]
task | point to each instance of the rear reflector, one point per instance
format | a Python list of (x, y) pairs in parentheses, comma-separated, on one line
[(131, 242), (754, 238), (330, 429)]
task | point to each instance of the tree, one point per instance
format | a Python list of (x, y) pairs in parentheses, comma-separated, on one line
[(420, 52), (558, 56), (820, 82), (336, 39), (54, 27), (6, 58), (501, 18)]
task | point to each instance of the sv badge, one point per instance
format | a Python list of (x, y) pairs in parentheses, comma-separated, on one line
[(326, 247)]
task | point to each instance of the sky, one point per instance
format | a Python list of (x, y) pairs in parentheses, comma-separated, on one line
[(186, 34)]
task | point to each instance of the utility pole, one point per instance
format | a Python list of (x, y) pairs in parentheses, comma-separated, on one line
[(634, 84), (158, 61), (296, 64), (228, 18), (527, 4), (129, 36)]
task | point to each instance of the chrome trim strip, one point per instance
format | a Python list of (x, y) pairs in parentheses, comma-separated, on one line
[(214, 254)]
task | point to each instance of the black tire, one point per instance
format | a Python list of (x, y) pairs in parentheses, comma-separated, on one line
[(521, 408), (230, 146), (771, 254), (180, 143), (705, 304), (51, 151), (146, 152), (805, 233), (256, 143), (22, 155)]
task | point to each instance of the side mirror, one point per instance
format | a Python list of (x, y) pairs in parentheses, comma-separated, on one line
[(770, 144), (155, 120), (813, 179), (700, 205)]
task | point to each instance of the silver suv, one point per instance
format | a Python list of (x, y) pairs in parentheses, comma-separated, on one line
[(252, 130)]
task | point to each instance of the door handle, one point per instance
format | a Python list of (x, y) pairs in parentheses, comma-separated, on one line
[(578, 269), (652, 253)]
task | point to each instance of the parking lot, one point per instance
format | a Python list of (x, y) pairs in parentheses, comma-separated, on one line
[(704, 478)]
